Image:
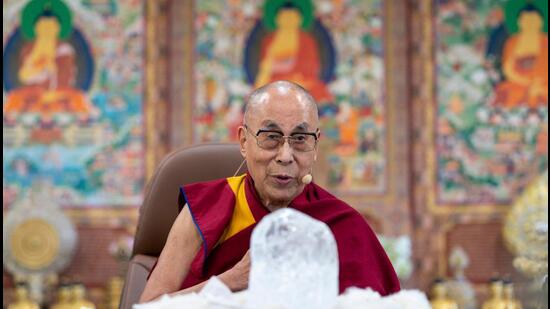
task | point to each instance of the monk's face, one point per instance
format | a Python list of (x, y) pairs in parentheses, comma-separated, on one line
[(289, 18), (278, 172), (530, 21)]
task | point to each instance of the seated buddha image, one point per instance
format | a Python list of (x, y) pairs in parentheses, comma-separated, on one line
[(290, 52), (525, 63), (45, 78)]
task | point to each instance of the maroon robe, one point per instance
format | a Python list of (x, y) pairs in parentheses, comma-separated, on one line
[(362, 260)]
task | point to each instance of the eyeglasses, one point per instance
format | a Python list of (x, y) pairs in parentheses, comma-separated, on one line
[(270, 140)]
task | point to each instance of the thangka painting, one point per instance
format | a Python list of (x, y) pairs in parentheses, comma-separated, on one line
[(334, 49), (72, 100), (492, 98)]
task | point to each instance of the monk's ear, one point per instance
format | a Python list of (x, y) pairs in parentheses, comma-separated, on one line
[(316, 150), (242, 140)]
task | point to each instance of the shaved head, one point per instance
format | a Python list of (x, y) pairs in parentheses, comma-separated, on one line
[(260, 97)]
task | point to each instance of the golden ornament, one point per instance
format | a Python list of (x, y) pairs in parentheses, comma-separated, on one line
[(526, 229), (35, 243)]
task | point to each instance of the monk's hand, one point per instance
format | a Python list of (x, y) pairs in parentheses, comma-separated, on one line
[(236, 278)]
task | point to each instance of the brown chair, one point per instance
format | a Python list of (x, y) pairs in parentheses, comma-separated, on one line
[(159, 209)]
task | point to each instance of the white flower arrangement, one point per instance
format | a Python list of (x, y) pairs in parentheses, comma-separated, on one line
[(399, 251), (216, 295)]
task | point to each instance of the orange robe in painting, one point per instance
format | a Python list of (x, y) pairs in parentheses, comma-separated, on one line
[(303, 68), (534, 68), (46, 93)]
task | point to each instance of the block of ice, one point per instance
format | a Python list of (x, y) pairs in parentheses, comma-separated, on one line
[(294, 262)]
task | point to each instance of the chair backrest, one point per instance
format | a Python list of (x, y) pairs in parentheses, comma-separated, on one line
[(160, 205), (184, 166)]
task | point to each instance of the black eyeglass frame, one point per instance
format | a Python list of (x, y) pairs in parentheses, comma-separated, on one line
[(314, 134)]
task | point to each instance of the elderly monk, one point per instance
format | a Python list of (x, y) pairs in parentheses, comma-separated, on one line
[(211, 235)]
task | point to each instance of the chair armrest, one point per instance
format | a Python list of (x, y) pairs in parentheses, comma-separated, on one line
[(138, 270)]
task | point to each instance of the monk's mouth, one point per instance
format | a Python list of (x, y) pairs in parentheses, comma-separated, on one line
[(283, 179)]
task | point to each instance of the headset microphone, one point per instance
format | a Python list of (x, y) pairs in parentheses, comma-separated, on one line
[(306, 180)]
